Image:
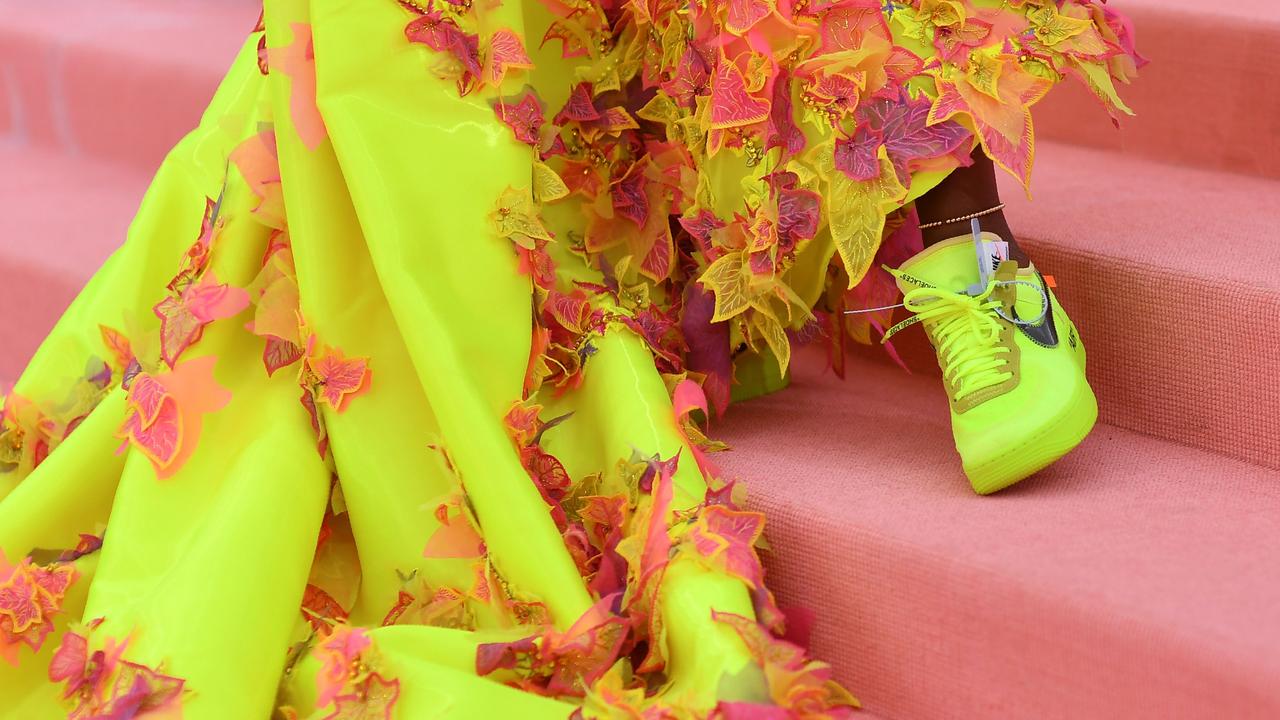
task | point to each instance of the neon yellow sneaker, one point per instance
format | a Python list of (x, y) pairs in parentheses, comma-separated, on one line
[(1012, 361)]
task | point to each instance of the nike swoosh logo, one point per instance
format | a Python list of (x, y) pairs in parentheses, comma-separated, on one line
[(1044, 334)]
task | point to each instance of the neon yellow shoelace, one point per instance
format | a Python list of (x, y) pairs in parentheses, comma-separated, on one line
[(966, 333)]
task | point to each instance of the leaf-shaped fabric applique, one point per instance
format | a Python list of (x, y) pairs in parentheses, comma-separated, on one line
[(941, 13), (629, 198), (580, 107), (375, 699), (338, 379), (1004, 126), (179, 328), (159, 441), (708, 344), (775, 337), (431, 28), (279, 354), (538, 263), (69, 661), (18, 603), (573, 43), (547, 185), (727, 280), (523, 114), (700, 225), (687, 397), (1098, 78), (516, 218), (274, 294), (403, 601), (209, 300), (878, 289), (727, 539), (855, 214), (731, 104), (560, 663), (54, 580), (691, 79), (455, 538), (908, 134), (901, 65), (182, 319), (1052, 28), (297, 60), (659, 261), (612, 121), (583, 178), (320, 609), (442, 34), (742, 15), (570, 311), (845, 26), (660, 109), (506, 52), (793, 685), (308, 401), (339, 652), (783, 130), (257, 160), (264, 63), (984, 72), (954, 42), (858, 156), (799, 217), (522, 423), (648, 562), (611, 697), (140, 691), (146, 395), (118, 345), (172, 434)]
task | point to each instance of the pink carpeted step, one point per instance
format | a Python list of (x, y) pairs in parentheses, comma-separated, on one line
[(1135, 579), (116, 79), (1209, 98), (60, 218)]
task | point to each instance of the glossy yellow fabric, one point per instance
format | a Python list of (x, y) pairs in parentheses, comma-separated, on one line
[(206, 569)]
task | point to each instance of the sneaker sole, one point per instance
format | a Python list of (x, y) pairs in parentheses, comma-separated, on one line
[(1039, 451)]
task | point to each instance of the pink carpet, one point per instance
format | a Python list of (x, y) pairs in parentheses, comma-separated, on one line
[(1136, 579)]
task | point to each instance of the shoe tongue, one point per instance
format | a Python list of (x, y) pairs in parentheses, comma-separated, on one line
[(1030, 302), (950, 265)]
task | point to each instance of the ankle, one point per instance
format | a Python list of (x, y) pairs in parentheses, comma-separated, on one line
[(993, 223)]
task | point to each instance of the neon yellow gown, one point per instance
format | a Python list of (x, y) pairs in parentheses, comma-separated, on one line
[(388, 406)]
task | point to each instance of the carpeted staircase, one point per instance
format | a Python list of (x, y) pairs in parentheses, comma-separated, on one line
[(1138, 578)]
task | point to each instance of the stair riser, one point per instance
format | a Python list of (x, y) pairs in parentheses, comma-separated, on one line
[(1210, 97), (1188, 359), (104, 103)]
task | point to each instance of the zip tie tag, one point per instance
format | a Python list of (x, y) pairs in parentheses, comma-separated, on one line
[(990, 254)]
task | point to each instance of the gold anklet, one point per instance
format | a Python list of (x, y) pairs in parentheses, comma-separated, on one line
[(962, 218)]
